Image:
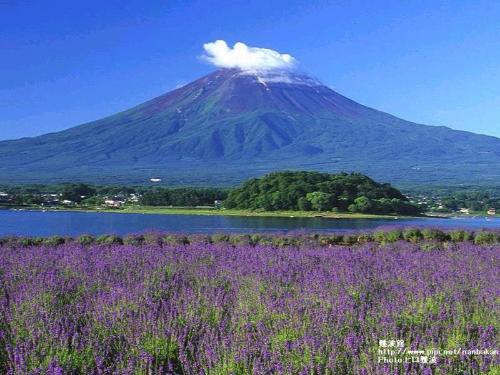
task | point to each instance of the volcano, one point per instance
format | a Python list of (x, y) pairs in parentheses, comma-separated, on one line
[(231, 125)]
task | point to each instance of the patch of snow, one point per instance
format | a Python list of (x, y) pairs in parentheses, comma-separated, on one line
[(282, 76), (262, 82)]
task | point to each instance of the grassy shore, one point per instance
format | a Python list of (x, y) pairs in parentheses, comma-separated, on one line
[(209, 211), (225, 212)]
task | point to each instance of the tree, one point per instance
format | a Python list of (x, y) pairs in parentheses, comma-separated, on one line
[(93, 201), (77, 192), (319, 200), (383, 206), (361, 204), (303, 204), (404, 207)]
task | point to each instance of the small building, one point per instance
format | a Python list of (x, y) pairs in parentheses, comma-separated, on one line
[(113, 203), (491, 211)]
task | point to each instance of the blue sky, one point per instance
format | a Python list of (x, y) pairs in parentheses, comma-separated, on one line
[(66, 63)]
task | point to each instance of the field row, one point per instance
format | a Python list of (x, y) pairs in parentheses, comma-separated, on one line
[(425, 236)]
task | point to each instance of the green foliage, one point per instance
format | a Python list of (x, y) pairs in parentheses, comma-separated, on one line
[(485, 238), (85, 240), (75, 361), (429, 239), (303, 204), (361, 204), (175, 240), (109, 239), (319, 191), (162, 349), (30, 241), (364, 238), (54, 241), (412, 235), (188, 197), (474, 201), (135, 240), (94, 195), (435, 235), (243, 239), (93, 201), (228, 366), (220, 238), (460, 236), (77, 192), (319, 200), (388, 236)]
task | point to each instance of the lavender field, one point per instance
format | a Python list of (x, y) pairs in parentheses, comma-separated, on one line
[(159, 304)]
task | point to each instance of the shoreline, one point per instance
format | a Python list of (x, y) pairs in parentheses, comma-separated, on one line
[(205, 211), (218, 212)]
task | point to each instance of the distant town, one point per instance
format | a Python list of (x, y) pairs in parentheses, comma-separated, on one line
[(458, 203)]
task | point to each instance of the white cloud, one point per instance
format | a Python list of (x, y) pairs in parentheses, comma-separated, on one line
[(246, 58)]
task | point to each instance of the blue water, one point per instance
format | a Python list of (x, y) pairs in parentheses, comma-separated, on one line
[(38, 223)]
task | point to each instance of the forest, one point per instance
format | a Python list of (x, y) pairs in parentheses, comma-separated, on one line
[(309, 191)]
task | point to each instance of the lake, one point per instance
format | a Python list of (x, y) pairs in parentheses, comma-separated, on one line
[(38, 223)]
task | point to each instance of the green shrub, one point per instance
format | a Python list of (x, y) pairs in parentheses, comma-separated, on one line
[(282, 241), (460, 236), (175, 240), (387, 236), (394, 235), (30, 241), (435, 235), (351, 239), (412, 235), (430, 246), (364, 238), (243, 239), (336, 239), (220, 238), (325, 240), (54, 241), (484, 238), (85, 240), (379, 236), (135, 240), (255, 239), (109, 239)]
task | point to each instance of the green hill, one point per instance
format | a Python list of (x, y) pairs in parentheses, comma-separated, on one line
[(308, 191)]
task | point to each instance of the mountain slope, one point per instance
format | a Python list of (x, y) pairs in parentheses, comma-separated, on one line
[(230, 125)]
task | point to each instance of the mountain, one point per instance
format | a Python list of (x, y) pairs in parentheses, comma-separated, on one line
[(231, 125)]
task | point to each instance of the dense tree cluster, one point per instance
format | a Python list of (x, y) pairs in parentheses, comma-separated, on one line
[(182, 196), (319, 191)]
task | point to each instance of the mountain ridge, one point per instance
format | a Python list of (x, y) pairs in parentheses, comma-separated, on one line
[(249, 124)]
